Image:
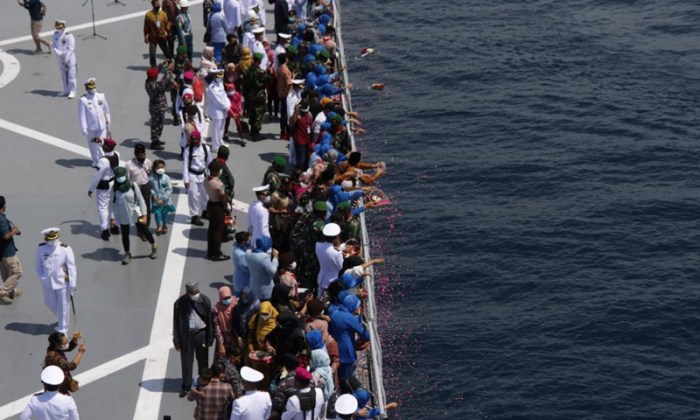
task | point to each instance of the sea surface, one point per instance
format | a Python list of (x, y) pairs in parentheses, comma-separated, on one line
[(543, 244)]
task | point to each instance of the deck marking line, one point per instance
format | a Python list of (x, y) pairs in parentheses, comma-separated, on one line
[(10, 68)]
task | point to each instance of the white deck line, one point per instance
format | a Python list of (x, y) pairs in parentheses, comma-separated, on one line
[(10, 68)]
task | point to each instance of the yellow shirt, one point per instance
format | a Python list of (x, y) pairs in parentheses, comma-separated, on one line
[(156, 26)]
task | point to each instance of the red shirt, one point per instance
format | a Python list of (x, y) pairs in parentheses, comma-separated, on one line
[(302, 129)]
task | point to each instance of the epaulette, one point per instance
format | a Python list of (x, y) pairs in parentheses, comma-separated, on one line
[(37, 394), (42, 244), (63, 244)]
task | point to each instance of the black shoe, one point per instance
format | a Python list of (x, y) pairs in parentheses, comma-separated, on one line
[(159, 141), (114, 230), (197, 221), (184, 393), (105, 235), (205, 215), (221, 257), (227, 238), (156, 146), (176, 120)]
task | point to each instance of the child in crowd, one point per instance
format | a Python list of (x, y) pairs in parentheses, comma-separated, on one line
[(235, 111), (161, 188)]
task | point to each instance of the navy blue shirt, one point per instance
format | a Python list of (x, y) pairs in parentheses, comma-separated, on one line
[(7, 248), (34, 7)]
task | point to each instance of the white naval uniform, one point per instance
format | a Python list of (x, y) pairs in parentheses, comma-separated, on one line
[(50, 405), (258, 221), (293, 98), (259, 47), (249, 39), (254, 405), (219, 104), (196, 194), (262, 16), (63, 47), (293, 410), (234, 16), (103, 197), (55, 267), (278, 50), (93, 115)]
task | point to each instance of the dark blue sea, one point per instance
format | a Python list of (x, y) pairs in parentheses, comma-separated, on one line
[(543, 244)]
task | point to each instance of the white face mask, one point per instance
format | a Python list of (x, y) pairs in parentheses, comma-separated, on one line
[(160, 171), (264, 317), (121, 179), (293, 266), (194, 297), (266, 199), (64, 346), (52, 242), (91, 91)]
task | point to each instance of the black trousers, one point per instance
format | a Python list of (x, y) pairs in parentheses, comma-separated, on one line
[(197, 348), (216, 229), (163, 44), (146, 193), (283, 115), (140, 229)]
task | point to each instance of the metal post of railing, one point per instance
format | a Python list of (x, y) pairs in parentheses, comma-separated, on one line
[(375, 368)]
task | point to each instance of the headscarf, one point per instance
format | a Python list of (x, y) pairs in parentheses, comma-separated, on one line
[(225, 311), (246, 60), (125, 186), (262, 244), (321, 366), (263, 327), (280, 297), (207, 59), (314, 339)]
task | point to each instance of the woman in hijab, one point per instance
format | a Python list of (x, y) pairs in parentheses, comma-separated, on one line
[(281, 298), (247, 304), (223, 322), (259, 326), (321, 369), (130, 209), (245, 63), (56, 356), (262, 264), (206, 62)]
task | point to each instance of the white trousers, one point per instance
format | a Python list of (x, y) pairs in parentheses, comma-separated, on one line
[(104, 206), (217, 134), (197, 198), (69, 74), (58, 302), (96, 151)]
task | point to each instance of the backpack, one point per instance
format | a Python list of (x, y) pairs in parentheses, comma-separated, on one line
[(198, 89), (307, 401)]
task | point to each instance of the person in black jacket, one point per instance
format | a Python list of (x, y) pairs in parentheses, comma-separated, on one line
[(193, 332)]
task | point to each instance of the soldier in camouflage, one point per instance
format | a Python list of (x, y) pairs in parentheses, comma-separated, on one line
[(272, 175), (157, 102), (255, 82), (307, 230)]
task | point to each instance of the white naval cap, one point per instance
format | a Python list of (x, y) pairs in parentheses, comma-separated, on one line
[(251, 375), (59, 22), (298, 81), (183, 3), (259, 30), (346, 404), (91, 82), (52, 375), (261, 188), (51, 233), (331, 229), (252, 14), (284, 36)]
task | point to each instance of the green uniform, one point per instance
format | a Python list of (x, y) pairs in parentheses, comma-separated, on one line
[(254, 83)]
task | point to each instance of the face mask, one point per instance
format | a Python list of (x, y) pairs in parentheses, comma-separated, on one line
[(64, 346), (194, 297), (91, 91), (226, 301), (52, 243), (266, 199), (121, 179), (160, 171), (264, 317), (293, 266), (230, 93)]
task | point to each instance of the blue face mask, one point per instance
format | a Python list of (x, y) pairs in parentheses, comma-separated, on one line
[(226, 301)]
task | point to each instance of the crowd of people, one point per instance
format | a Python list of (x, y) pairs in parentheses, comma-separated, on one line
[(287, 332)]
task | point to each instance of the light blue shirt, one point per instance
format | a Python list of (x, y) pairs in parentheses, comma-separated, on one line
[(241, 274)]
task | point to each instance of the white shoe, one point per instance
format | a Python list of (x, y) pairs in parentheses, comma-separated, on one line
[(71, 95)]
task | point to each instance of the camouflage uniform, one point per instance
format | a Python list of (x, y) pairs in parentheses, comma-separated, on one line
[(179, 66), (157, 104), (272, 177), (305, 234), (254, 84), (227, 178)]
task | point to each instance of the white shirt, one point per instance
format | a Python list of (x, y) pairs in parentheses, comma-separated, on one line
[(260, 48), (50, 406), (248, 40), (199, 163), (63, 47), (232, 10), (278, 50), (258, 221), (293, 98), (53, 263), (104, 171), (254, 405), (219, 103), (93, 112), (316, 126), (293, 411), (330, 260)]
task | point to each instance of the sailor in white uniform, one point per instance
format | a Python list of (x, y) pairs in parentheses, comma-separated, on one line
[(254, 404), (103, 182), (234, 15), (51, 404), (259, 7), (345, 407), (55, 267), (260, 48), (94, 118), (283, 40), (307, 403), (258, 214), (248, 28), (219, 104), (196, 159), (63, 47)]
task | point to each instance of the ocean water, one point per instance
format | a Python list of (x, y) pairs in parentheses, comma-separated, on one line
[(542, 247)]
